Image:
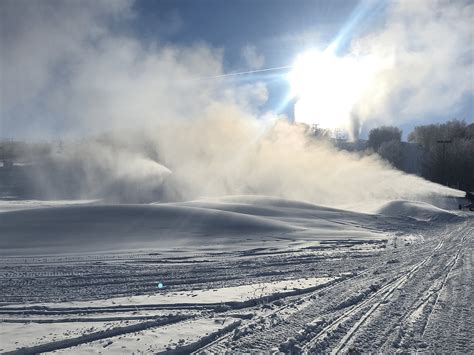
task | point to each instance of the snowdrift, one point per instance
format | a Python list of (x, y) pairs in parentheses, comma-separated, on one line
[(228, 222), (13, 205), (91, 228), (419, 211)]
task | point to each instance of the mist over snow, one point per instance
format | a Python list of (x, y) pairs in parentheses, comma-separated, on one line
[(178, 131), (169, 185), (226, 152)]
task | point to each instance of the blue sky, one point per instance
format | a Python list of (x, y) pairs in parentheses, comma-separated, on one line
[(61, 60), (279, 30)]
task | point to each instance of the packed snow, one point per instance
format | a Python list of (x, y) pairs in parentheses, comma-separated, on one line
[(417, 210), (90, 228), (248, 273)]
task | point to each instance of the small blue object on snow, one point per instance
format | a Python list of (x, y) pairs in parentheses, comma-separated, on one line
[(160, 285)]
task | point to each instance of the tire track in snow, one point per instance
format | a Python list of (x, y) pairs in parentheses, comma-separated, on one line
[(407, 332), (257, 336), (102, 334), (218, 345), (443, 284), (373, 302)]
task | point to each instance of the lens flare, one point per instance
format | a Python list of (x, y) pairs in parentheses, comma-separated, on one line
[(328, 87)]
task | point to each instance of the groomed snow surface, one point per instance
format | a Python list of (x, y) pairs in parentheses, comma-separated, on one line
[(242, 273)]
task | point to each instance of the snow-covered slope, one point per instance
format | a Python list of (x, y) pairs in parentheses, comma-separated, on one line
[(420, 211), (93, 228), (226, 221), (15, 205), (239, 273)]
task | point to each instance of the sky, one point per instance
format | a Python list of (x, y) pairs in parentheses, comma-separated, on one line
[(73, 68)]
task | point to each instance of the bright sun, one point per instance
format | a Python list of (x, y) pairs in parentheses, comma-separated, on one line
[(327, 87)]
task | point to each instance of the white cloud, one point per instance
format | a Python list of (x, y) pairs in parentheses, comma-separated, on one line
[(426, 53), (252, 58)]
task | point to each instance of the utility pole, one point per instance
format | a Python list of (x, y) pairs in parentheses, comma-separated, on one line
[(444, 142)]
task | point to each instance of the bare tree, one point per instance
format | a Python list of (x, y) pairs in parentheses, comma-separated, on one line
[(452, 163), (378, 136)]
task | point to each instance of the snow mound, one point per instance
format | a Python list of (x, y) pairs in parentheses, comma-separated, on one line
[(105, 227), (420, 211), (266, 206), (14, 205), (227, 223), (259, 200)]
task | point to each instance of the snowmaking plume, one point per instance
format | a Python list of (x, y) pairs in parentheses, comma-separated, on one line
[(228, 153), (155, 133)]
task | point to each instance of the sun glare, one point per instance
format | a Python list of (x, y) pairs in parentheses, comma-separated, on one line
[(327, 87)]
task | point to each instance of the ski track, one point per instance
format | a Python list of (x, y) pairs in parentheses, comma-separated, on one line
[(380, 319), (413, 298)]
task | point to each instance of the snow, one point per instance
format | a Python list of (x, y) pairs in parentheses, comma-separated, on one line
[(29, 334), (218, 295), (14, 205), (152, 340), (253, 273), (93, 228), (420, 211)]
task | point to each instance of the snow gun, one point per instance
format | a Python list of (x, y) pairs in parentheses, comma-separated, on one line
[(470, 198)]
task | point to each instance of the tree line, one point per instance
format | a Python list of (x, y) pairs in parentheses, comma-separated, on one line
[(447, 151)]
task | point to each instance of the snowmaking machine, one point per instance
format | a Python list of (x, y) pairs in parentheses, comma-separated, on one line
[(470, 202)]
